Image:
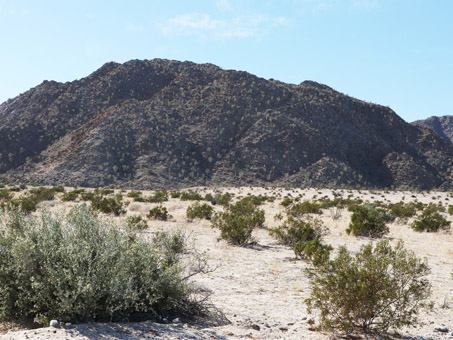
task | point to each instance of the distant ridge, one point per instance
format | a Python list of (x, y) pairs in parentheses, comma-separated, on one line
[(442, 125), (166, 124)]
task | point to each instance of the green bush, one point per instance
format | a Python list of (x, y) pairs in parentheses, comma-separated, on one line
[(136, 196), (79, 269), (158, 213), (313, 251), (136, 223), (198, 210), (71, 195), (286, 202), (430, 220), (237, 222), (295, 230), (450, 209), (190, 196), (159, 196), (108, 205), (5, 194), (403, 211), (303, 208), (367, 221), (374, 291), (224, 199)]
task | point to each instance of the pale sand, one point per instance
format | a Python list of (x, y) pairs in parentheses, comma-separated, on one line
[(262, 285)]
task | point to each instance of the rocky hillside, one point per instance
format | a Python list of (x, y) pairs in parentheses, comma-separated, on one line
[(443, 126), (160, 123)]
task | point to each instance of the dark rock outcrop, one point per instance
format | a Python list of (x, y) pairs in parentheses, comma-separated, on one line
[(160, 123)]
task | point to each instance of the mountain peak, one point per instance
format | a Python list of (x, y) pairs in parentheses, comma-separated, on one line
[(164, 123)]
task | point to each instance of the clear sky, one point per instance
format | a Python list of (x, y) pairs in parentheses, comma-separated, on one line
[(397, 53)]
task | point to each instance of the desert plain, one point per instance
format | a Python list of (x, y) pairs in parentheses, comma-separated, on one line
[(261, 288)]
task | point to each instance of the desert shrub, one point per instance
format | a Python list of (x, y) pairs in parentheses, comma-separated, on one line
[(378, 289), (136, 223), (190, 196), (175, 194), (367, 221), (237, 222), (79, 268), (87, 196), (24, 203), (136, 196), (158, 213), (198, 210), (295, 230), (256, 200), (5, 194), (430, 220), (313, 251), (107, 205), (303, 208), (159, 196), (71, 195), (450, 209), (103, 191), (286, 202), (224, 199), (403, 211)]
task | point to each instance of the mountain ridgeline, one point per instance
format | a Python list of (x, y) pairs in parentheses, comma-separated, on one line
[(442, 125), (168, 124)]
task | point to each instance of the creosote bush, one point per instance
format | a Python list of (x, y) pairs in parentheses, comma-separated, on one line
[(367, 220), (136, 223), (295, 230), (431, 220), (303, 208), (237, 222), (378, 289), (158, 213), (198, 210), (79, 268)]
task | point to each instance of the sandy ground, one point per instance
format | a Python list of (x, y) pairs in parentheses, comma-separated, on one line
[(261, 288)]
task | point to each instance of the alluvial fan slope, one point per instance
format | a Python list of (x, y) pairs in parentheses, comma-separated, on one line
[(161, 123)]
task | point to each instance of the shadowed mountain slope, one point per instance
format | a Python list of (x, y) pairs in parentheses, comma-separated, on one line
[(443, 126), (160, 123)]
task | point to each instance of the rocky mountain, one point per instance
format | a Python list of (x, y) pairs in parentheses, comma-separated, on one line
[(161, 123), (443, 126)]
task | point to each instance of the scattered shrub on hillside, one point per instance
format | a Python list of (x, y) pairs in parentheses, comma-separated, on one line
[(431, 220), (80, 269), (158, 213), (368, 221), (303, 208), (295, 230), (376, 290), (198, 210), (136, 223), (450, 209), (237, 222)]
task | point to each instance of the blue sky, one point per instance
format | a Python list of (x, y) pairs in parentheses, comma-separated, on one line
[(397, 53)]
